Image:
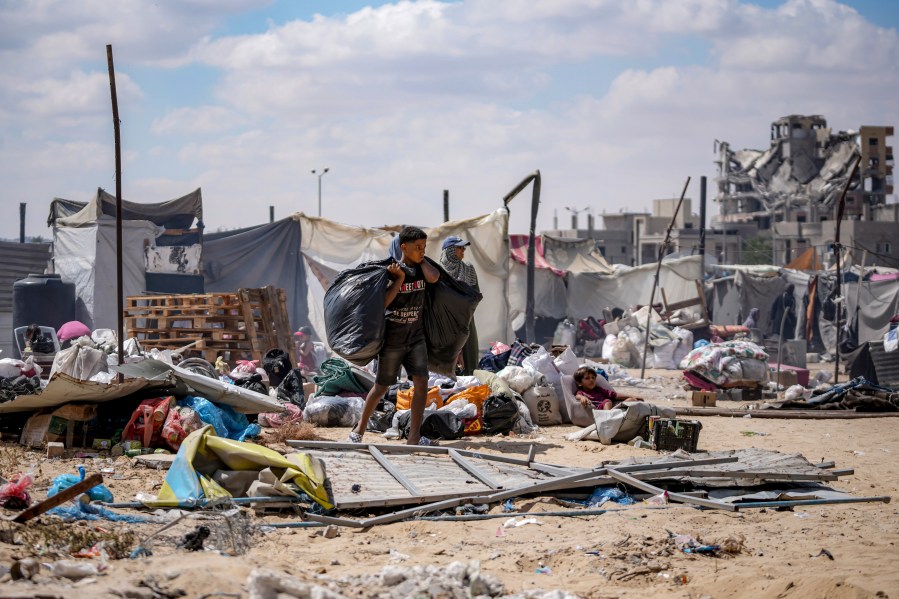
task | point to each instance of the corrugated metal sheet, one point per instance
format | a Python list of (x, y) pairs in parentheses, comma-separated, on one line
[(17, 261), (885, 364)]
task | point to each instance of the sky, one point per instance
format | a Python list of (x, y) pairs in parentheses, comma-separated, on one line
[(615, 102)]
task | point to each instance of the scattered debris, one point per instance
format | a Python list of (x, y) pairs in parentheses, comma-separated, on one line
[(193, 541)]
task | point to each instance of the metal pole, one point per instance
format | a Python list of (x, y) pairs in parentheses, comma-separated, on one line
[(445, 205), (655, 283), (535, 204), (837, 251), (702, 206), (271, 214), (120, 292), (22, 222)]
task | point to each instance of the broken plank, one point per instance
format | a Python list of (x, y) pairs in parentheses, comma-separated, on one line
[(393, 471), (471, 469), (51, 502), (798, 502), (785, 413), (332, 520), (829, 476), (421, 509)]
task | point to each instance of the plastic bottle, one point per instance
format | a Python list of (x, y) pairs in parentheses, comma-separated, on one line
[(566, 334)]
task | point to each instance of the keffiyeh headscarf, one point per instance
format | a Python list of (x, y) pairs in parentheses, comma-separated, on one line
[(457, 269)]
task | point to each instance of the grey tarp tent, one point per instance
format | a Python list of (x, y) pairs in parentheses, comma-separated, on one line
[(258, 256)]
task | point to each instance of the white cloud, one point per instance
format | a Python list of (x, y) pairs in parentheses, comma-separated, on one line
[(407, 99), (199, 120)]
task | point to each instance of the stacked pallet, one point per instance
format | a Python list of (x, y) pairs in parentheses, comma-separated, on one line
[(236, 326)]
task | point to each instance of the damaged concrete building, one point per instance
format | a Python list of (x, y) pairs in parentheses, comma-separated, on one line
[(791, 191)]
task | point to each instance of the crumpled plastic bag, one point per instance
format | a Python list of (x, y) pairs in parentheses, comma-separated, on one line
[(797, 392), (334, 411), (520, 379), (14, 494), (64, 481)]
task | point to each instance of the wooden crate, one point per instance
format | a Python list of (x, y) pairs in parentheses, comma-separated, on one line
[(247, 323)]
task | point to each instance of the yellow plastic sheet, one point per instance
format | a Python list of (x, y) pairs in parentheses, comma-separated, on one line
[(203, 453)]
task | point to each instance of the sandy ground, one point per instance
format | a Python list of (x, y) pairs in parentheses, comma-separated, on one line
[(631, 555)]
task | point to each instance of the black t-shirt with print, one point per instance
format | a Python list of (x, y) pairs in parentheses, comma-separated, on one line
[(404, 324)]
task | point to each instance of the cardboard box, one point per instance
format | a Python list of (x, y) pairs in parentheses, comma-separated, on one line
[(55, 449), (798, 376), (704, 399), (786, 379), (68, 424)]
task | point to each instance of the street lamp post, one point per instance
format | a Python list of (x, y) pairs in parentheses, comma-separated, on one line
[(320, 175)]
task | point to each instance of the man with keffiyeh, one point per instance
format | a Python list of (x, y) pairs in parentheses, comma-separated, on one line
[(451, 260)]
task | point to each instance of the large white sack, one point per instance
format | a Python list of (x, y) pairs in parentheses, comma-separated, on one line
[(543, 404), (542, 361), (622, 353), (608, 346), (520, 379), (663, 356), (684, 346), (10, 368), (79, 361), (567, 362)]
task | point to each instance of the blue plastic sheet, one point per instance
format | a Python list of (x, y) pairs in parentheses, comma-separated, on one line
[(226, 422), (87, 511), (600, 495)]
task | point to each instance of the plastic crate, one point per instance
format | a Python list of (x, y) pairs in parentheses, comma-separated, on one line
[(671, 434)]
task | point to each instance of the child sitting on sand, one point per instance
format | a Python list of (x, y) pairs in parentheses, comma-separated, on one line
[(593, 396)]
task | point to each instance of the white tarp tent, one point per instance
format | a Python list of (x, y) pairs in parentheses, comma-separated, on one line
[(86, 256), (590, 292)]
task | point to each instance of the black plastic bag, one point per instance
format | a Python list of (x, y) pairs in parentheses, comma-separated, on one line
[(291, 388), (354, 311), (449, 306), (253, 383), (435, 425), (276, 363), (500, 414), (382, 418)]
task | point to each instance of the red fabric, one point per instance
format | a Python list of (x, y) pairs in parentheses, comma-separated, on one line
[(518, 249), (699, 382)]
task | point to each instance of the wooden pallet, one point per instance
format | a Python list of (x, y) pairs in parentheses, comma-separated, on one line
[(242, 325)]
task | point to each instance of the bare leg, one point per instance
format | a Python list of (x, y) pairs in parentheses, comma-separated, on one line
[(371, 402), (419, 397)]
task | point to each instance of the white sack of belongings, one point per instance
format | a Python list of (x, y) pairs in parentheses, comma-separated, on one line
[(81, 361), (543, 404)]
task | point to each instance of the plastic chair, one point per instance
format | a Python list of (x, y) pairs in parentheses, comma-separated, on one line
[(45, 361), (19, 334)]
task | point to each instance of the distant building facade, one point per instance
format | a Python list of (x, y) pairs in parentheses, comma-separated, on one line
[(791, 191)]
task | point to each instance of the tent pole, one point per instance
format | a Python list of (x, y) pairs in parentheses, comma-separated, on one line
[(655, 282), (837, 250), (118, 211), (535, 203)]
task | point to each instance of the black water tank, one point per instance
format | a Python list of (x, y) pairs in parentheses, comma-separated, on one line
[(44, 300)]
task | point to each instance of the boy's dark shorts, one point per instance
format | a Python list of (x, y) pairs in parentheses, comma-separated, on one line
[(413, 357)]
